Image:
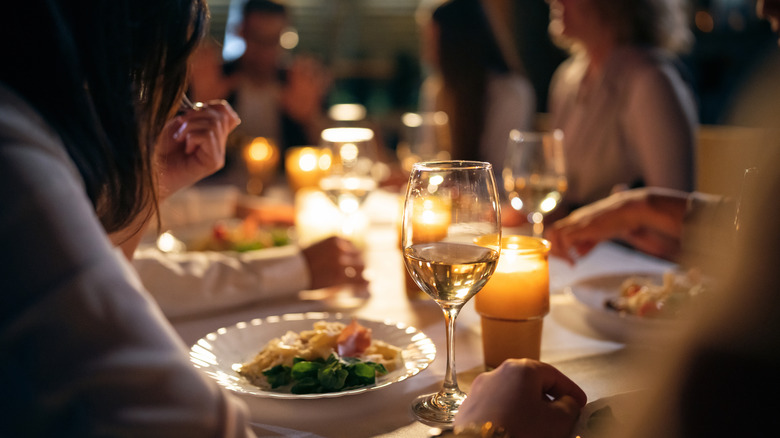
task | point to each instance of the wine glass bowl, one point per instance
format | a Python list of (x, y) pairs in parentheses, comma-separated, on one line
[(535, 174), (351, 178), (451, 237)]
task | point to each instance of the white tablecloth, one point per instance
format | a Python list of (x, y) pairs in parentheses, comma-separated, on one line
[(601, 366)]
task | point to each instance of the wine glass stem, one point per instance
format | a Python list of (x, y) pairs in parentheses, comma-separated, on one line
[(450, 385)]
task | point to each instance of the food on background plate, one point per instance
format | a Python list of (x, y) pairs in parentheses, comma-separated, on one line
[(241, 235), (642, 296), (332, 357)]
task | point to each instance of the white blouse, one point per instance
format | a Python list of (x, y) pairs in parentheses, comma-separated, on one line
[(634, 124)]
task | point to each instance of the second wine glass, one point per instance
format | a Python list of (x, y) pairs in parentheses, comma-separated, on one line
[(535, 174), (351, 178), (454, 259)]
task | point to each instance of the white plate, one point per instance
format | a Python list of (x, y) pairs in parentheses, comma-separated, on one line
[(594, 292), (220, 353)]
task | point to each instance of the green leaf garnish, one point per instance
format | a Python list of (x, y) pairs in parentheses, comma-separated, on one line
[(278, 376), (324, 375)]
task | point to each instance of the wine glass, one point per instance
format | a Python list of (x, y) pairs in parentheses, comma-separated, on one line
[(350, 179), (452, 259), (535, 174)]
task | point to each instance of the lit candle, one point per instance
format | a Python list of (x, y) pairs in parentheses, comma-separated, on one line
[(430, 221), (261, 157), (514, 301), (306, 165), (316, 218)]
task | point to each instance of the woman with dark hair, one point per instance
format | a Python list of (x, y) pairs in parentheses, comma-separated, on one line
[(477, 80), (88, 146), (622, 99)]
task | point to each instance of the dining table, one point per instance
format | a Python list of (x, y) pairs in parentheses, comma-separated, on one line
[(598, 357)]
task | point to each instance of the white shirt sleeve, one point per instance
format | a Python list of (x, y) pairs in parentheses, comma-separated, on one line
[(196, 282)]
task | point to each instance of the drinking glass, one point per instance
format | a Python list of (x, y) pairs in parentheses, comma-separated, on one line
[(535, 174), (351, 177), (454, 259)]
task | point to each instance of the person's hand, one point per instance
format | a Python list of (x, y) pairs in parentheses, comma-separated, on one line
[(192, 145), (527, 397), (649, 219), (334, 261)]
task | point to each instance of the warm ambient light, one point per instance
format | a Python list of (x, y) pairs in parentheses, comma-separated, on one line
[(347, 112), (260, 150), (261, 157), (704, 21), (289, 39), (306, 165), (343, 135), (415, 120)]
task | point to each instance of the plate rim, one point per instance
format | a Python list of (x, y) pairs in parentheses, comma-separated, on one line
[(612, 313), (427, 353)]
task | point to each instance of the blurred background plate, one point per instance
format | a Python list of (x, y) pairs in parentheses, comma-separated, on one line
[(592, 294)]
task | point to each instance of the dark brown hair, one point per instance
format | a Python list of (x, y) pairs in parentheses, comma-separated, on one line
[(468, 52), (106, 75)]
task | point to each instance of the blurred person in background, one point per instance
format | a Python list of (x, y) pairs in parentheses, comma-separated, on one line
[(476, 78), (718, 378), (622, 99), (277, 97)]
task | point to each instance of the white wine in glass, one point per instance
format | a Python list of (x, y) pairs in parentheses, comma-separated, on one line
[(535, 174), (453, 257)]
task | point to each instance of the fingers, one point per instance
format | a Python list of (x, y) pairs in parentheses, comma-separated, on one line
[(654, 243), (558, 386), (334, 261), (527, 397), (217, 115)]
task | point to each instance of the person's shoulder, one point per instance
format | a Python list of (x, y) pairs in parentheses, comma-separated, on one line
[(647, 65), (642, 59)]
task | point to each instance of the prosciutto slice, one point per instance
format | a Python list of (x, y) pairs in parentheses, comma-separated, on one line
[(353, 340)]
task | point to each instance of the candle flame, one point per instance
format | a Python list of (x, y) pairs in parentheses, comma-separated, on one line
[(260, 149), (308, 160)]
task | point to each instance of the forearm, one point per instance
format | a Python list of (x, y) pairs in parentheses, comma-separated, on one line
[(194, 282)]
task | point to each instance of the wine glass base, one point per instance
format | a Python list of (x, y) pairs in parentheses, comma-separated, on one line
[(437, 409)]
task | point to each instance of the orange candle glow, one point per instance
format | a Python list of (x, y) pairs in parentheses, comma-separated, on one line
[(306, 165), (514, 301), (430, 221), (520, 286), (261, 157)]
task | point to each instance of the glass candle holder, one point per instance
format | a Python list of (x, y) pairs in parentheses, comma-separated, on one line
[(513, 303), (305, 166)]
